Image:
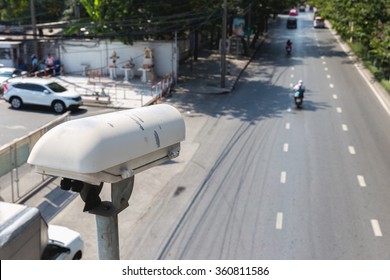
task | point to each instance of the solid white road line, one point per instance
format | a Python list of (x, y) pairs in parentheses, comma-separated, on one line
[(377, 94), (279, 220), (376, 227), (283, 177), (361, 181)]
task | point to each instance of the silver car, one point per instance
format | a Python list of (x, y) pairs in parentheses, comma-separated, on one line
[(41, 91)]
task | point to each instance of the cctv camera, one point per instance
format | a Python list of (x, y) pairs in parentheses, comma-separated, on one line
[(110, 147)]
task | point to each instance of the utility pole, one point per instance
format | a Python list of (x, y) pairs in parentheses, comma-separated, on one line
[(77, 9), (249, 23), (34, 27), (223, 45)]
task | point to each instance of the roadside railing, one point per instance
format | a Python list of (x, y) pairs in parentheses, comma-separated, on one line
[(17, 178), (148, 92), (163, 87)]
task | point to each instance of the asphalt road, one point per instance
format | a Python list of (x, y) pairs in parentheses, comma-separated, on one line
[(284, 183), (259, 179)]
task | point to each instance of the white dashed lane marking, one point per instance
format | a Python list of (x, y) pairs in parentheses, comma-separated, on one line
[(344, 127), (339, 110), (351, 150), (285, 147), (287, 125), (362, 181), (283, 177), (376, 228), (279, 220), (331, 85)]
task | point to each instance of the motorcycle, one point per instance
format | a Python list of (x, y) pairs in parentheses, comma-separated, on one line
[(288, 49), (298, 99)]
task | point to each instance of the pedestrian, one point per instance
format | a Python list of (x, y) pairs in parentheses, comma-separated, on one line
[(49, 62), (34, 63), (21, 65), (57, 66), (41, 68)]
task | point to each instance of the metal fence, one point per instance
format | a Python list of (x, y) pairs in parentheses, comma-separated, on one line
[(17, 178)]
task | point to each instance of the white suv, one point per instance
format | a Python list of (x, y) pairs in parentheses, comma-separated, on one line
[(41, 91)]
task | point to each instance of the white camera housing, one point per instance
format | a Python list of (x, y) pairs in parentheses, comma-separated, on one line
[(110, 147)]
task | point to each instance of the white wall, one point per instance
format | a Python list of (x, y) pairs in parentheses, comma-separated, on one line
[(97, 54)]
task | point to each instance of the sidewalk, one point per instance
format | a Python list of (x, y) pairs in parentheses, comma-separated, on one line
[(202, 76)]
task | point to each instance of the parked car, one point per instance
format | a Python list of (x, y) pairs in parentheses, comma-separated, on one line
[(293, 12), (7, 73), (319, 22), (69, 248), (41, 91), (291, 23)]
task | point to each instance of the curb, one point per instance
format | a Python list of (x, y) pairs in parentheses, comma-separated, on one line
[(380, 92)]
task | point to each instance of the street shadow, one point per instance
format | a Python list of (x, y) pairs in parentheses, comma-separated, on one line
[(252, 101), (79, 112), (35, 109), (45, 110), (309, 105), (258, 94), (54, 202)]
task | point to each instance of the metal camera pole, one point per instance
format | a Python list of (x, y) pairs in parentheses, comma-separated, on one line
[(106, 213), (107, 236)]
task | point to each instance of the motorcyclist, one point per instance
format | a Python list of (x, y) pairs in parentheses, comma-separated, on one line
[(288, 44), (299, 89)]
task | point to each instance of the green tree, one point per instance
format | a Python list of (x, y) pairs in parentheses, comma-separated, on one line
[(366, 23), (15, 12), (18, 12)]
